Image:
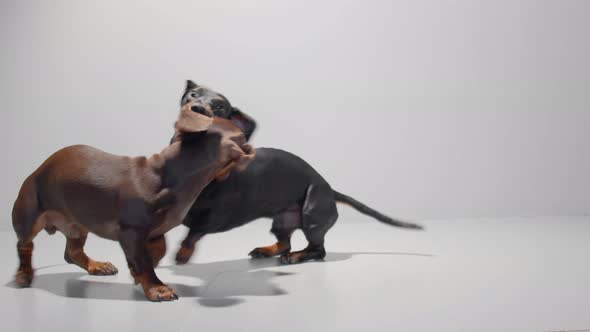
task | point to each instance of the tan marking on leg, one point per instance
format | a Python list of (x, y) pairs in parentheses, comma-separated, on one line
[(75, 253), (272, 250), (275, 249), (184, 254), (156, 249), (24, 274)]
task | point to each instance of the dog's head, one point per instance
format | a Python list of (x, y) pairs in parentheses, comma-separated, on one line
[(228, 138), (207, 102)]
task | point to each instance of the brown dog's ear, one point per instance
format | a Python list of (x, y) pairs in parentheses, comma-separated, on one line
[(192, 122), (243, 121)]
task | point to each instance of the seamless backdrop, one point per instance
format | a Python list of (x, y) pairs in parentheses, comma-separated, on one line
[(422, 109)]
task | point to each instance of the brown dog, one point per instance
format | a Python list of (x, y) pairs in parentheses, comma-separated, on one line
[(80, 189)]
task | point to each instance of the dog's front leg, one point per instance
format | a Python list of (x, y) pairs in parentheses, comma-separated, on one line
[(134, 243), (156, 248)]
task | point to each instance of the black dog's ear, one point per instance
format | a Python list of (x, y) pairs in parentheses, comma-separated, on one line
[(244, 121), (190, 85)]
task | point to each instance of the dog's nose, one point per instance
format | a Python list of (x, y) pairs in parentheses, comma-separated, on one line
[(199, 109)]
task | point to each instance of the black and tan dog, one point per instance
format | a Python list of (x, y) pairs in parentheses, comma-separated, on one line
[(134, 201), (277, 185)]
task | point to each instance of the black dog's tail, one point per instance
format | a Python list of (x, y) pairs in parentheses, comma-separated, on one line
[(362, 208)]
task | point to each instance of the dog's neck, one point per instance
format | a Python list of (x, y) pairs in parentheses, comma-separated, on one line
[(184, 168), (191, 155)]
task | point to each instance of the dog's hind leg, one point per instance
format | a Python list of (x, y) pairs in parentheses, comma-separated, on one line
[(283, 226), (76, 236), (318, 215), (26, 224)]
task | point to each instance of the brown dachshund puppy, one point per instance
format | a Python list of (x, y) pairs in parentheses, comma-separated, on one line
[(134, 201)]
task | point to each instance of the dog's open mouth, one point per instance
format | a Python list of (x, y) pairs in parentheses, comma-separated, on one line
[(202, 110)]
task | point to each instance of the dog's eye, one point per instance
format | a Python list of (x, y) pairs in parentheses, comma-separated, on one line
[(218, 107), (194, 94)]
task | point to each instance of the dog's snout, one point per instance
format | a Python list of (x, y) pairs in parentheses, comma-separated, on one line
[(200, 109)]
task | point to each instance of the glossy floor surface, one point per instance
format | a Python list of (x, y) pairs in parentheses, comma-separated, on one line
[(462, 275)]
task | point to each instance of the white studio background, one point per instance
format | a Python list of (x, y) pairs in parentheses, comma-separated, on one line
[(421, 109)]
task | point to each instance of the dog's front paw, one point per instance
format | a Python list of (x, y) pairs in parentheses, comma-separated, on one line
[(289, 259), (307, 254), (183, 255), (161, 293), (279, 248), (101, 268), (260, 252)]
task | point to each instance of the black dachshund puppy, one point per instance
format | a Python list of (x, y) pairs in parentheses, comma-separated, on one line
[(277, 185)]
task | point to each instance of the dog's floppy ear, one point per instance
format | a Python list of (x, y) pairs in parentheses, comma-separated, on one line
[(192, 122), (243, 121)]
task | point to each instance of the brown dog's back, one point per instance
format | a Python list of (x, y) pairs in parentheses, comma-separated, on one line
[(76, 185)]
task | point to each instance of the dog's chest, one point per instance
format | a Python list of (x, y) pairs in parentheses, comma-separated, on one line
[(183, 199)]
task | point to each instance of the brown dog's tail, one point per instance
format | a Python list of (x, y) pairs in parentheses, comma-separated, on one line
[(362, 208)]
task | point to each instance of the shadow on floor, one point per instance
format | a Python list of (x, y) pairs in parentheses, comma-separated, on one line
[(223, 282)]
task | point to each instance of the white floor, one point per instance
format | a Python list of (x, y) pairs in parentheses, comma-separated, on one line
[(464, 275)]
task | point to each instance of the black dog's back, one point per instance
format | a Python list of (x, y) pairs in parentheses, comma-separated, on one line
[(274, 181)]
